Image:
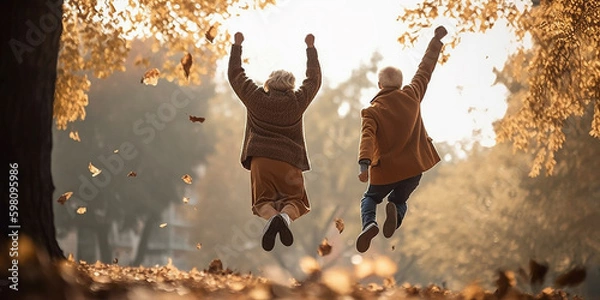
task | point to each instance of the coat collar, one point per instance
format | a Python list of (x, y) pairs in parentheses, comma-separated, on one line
[(384, 91)]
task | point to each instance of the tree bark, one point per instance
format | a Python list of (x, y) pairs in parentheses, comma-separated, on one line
[(30, 44)]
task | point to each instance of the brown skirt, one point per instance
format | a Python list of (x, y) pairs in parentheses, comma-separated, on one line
[(277, 186)]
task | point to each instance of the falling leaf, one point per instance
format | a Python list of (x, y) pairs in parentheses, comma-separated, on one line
[(246, 60), (537, 272), (74, 135), (197, 119), (393, 247), (95, 171), (151, 77), (211, 33), (187, 179), (198, 246), (116, 151), (115, 261), (186, 63), (571, 278), (339, 224), (324, 248), (64, 197), (131, 174), (186, 200), (81, 210), (163, 225)]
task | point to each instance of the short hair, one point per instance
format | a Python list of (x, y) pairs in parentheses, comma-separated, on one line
[(390, 77), (280, 80)]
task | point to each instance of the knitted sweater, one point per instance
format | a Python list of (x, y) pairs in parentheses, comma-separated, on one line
[(393, 136), (274, 119)]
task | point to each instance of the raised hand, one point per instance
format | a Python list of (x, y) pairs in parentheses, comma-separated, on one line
[(310, 40), (440, 32), (238, 38)]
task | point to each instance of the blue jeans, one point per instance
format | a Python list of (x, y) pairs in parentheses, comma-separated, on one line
[(397, 193)]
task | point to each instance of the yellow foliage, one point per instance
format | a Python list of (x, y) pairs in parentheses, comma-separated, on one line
[(96, 40), (563, 72)]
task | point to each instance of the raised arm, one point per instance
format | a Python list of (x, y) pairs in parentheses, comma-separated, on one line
[(418, 85), (310, 86), (243, 86)]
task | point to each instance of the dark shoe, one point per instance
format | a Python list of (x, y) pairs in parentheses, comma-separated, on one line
[(272, 227), (285, 234), (364, 238), (391, 220)]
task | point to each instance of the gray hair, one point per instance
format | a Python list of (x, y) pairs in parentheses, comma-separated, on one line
[(280, 80), (390, 77)]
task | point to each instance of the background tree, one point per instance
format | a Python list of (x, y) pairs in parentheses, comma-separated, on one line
[(151, 120), (564, 64)]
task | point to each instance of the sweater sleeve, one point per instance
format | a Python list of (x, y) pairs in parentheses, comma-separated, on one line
[(367, 137), (419, 83), (311, 84), (243, 86)]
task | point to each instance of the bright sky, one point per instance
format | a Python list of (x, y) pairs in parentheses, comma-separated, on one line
[(348, 32)]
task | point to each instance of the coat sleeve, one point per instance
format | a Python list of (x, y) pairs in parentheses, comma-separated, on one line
[(311, 84), (418, 85), (243, 86), (367, 137)]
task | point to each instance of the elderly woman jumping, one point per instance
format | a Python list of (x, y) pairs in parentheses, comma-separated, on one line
[(274, 149)]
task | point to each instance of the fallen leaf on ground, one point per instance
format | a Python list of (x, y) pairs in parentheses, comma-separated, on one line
[(571, 278), (187, 179), (151, 77), (64, 197), (324, 248), (95, 171), (339, 224)]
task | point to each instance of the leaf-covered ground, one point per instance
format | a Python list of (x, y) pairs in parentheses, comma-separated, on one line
[(68, 279)]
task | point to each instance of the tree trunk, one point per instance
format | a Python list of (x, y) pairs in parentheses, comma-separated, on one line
[(102, 237), (30, 44), (143, 243)]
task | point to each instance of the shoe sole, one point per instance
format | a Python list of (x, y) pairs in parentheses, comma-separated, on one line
[(364, 239), (391, 220), (285, 234), (268, 239)]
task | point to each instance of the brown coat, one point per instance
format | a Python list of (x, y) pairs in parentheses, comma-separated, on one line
[(393, 136), (274, 119)]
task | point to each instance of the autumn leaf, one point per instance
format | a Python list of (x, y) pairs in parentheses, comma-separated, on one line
[(81, 210), (163, 225), (74, 135), (186, 63), (339, 224), (537, 272), (95, 171), (131, 174), (324, 248), (116, 151), (151, 77), (186, 200), (187, 179), (115, 261), (571, 278), (198, 246), (197, 119), (211, 33), (64, 197)]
